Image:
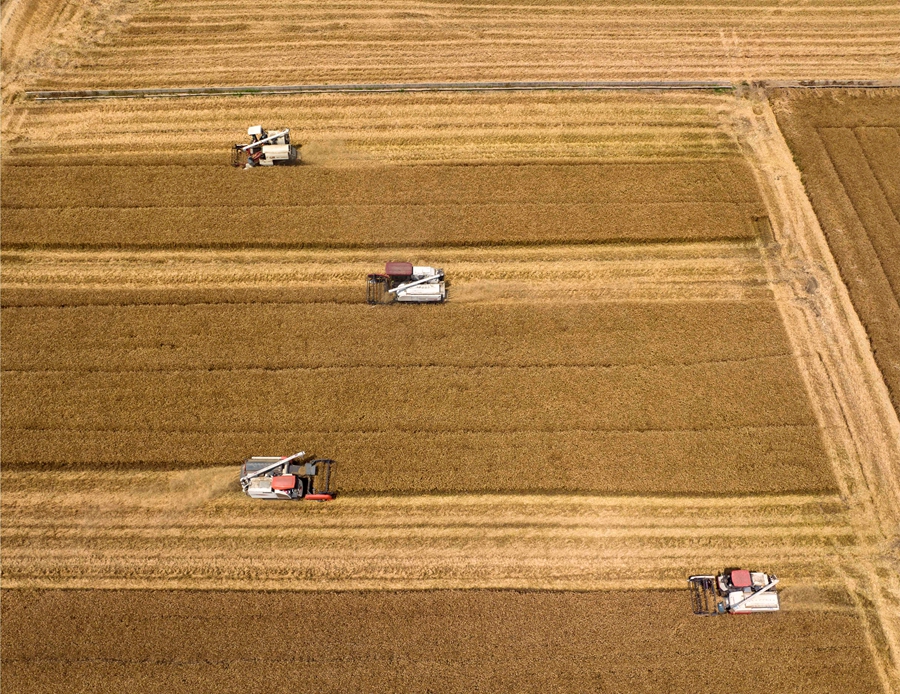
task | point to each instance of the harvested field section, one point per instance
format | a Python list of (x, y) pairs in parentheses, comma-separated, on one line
[(357, 129), (391, 41), (408, 641), (433, 206), (848, 148), (39, 35), (194, 529)]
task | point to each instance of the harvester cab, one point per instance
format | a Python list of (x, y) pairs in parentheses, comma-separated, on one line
[(734, 591), (406, 283), (265, 149), (287, 478)]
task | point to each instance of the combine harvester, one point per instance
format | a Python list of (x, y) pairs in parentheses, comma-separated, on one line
[(734, 591), (406, 283), (282, 478), (265, 149)]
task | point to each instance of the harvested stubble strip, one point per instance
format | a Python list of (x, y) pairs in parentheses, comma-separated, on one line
[(347, 129), (378, 206), (411, 641), (195, 529)]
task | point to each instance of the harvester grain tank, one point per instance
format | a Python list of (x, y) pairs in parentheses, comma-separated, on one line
[(265, 149), (287, 478), (734, 591), (406, 283)]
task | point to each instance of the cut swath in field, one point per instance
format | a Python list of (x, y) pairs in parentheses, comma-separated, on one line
[(354, 130), (194, 529)]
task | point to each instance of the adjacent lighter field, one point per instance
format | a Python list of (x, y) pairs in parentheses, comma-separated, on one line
[(211, 43)]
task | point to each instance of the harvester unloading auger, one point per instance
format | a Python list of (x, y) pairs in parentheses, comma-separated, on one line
[(265, 149), (734, 591), (287, 478), (406, 283)]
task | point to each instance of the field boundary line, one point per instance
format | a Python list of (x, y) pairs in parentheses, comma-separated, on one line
[(261, 90), (612, 85)]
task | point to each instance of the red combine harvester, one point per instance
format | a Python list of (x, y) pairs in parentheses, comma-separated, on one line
[(734, 591), (282, 478)]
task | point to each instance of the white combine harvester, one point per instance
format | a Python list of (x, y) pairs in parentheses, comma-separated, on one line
[(265, 149), (406, 283), (734, 591), (287, 478)]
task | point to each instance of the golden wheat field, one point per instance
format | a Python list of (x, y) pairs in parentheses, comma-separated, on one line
[(455, 641), (649, 365)]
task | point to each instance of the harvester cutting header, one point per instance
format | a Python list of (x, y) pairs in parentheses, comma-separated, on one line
[(265, 149), (406, 283)]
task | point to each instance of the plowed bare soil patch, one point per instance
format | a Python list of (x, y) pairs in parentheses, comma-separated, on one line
[(848, 148), (444, 641)]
